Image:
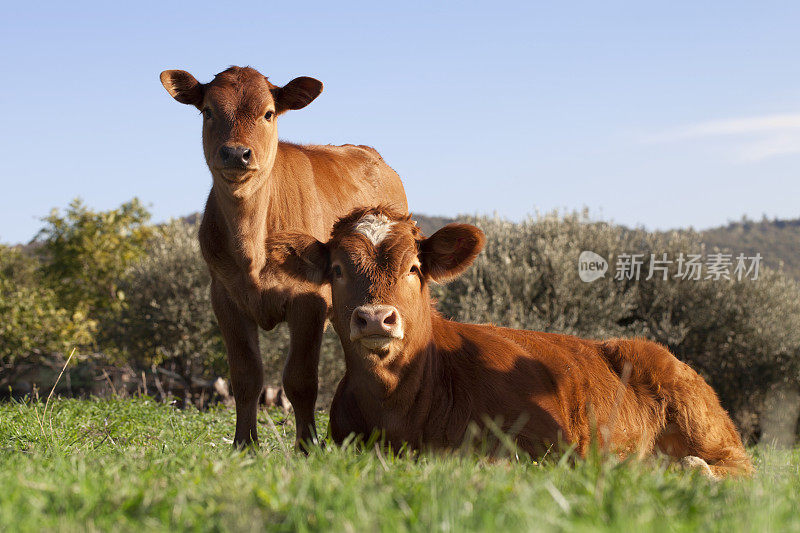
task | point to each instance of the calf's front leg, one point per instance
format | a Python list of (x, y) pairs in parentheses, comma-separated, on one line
[(240, 334)]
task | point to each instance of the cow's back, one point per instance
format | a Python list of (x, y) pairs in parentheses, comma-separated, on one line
[(319, 184)]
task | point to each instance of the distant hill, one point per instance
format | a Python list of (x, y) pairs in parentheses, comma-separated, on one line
[(777, 240), (429, 224)]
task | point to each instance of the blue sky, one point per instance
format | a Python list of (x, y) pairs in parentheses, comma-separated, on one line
[(664, 115)]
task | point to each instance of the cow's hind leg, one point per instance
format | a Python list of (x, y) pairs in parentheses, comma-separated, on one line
[(306, 318), (698, 431)]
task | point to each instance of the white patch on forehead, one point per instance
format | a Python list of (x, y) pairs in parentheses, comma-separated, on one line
[(374, 227)]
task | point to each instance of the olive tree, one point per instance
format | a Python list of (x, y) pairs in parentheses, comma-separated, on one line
[(168, 320)]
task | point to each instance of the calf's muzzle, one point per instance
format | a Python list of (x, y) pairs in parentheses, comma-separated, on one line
[(375, 325), (235, 156)]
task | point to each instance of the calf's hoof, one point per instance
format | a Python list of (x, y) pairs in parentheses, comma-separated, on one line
[(692, 462), (305, 445), (245, 444)]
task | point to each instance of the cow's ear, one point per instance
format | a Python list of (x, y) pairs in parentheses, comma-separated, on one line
[(296, 94), (299, 255), (449, 251), (183, 87)]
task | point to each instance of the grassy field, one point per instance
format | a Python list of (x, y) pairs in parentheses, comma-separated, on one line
[(133, 464)]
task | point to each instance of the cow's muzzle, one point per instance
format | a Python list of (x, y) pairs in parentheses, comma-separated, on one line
[(375, 326), (237, 162)]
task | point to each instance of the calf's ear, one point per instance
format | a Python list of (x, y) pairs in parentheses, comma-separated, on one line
[(448, 252), (183, 87), (296, 94), (299, 255)]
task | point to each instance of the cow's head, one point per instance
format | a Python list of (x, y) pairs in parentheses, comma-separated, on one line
[(379, 267), (240, 107)]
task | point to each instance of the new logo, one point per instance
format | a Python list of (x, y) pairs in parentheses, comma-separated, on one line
[(591, 266)]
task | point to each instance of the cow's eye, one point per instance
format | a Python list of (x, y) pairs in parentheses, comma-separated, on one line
[(414, 271), (337, 271), (269, 114), (207, 113)]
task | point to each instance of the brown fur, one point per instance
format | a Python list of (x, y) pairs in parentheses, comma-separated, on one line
[(283, 186), (633, 396)]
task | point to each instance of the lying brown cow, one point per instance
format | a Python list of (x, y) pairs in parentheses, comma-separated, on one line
[(422, 379), (261, 185)]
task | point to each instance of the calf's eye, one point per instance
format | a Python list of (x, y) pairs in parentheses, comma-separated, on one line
[(268, 115), (414, 270), (337, 271), (207, 113)]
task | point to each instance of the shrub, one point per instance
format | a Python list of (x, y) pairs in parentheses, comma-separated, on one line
[(167, 319), (86, 253), (33, 324)]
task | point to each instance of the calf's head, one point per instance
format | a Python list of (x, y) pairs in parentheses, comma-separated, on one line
[(240, 107), (379, 266)]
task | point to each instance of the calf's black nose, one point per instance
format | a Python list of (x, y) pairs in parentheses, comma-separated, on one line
[(235, 155)]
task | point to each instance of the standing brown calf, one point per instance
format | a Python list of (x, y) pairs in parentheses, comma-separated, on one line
[(422, 379), (261, 185)]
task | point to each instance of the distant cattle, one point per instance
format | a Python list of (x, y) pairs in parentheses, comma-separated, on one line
[(423, 380), (259, 186)]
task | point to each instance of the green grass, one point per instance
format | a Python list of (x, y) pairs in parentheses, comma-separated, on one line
[(130, 465)]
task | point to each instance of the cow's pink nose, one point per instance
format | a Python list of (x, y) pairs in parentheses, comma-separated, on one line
[(383, 320)]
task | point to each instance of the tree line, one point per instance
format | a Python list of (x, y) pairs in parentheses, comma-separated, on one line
[(131, 298)]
